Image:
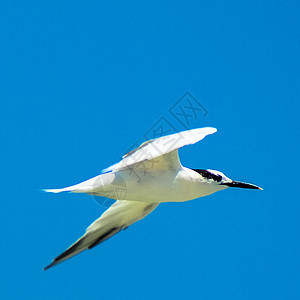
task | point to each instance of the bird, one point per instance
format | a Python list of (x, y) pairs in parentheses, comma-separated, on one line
[(145, 177)]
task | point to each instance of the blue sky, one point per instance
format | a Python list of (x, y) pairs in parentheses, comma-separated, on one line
[(81, 82)]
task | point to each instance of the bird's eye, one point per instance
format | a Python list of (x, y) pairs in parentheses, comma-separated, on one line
[(219, 178)]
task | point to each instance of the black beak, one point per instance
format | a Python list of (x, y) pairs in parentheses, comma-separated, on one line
[(242, 185)]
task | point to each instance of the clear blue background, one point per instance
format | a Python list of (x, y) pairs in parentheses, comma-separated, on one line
[(81, 81)]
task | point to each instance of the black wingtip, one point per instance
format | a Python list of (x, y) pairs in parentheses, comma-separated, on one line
[(49, 266)]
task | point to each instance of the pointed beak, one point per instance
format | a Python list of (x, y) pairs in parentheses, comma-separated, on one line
[(243, 185)]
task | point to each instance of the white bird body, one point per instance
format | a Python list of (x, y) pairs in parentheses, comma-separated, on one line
[(145, 177), (156, 186)]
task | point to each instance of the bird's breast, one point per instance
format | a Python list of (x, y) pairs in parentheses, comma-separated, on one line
[(162, 186)]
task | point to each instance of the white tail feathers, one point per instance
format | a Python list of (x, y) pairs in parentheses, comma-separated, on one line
[(55, 190), (88, 186), (78, 188)]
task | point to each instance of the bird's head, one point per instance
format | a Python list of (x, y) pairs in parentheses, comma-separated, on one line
[(218, 178)]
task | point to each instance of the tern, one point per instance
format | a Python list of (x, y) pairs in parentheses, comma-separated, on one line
[(145, 177)]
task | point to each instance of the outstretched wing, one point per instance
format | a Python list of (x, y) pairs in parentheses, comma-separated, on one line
[(163, 151), (119, 216)]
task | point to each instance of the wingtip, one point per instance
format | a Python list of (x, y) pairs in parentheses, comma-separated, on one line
[(49, 266), (209, 130), (213, 129)]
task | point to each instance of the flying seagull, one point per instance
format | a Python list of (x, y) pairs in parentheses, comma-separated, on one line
[(145, 177)]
